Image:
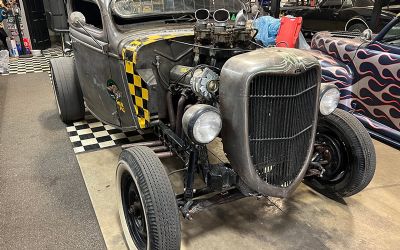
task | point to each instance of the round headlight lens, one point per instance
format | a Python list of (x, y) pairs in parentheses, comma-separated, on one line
[(207, 127), (330, 98), (202, 123)]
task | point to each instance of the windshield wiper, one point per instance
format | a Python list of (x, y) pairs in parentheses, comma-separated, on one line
[(181, 19)]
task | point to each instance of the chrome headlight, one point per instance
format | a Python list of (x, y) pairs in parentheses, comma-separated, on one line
[(202, 123), (329, 99)]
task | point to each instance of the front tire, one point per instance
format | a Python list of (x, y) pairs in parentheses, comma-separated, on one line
[(146, 201), (347, 154)]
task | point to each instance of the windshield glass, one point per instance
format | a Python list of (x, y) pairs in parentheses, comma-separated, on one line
[(136, 8), (393, 35), (363, 3)]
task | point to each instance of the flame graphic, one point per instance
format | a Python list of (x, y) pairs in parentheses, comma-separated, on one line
[(371, 85)]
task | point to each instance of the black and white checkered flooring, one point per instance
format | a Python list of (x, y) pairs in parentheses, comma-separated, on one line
[(35, 64), (89, 134)]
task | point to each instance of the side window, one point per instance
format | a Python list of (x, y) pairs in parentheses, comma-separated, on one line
[(310, 3), (347, 4), (332, 4), (90, 10)]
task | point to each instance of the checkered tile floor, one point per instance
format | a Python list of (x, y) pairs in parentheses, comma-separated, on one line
[(91, 134), (35, 64)]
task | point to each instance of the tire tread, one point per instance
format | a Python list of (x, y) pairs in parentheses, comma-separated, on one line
[(362, 146), (162, 211), (68, 90)]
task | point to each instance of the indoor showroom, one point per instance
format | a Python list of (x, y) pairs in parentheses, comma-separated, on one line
[(200, 124)]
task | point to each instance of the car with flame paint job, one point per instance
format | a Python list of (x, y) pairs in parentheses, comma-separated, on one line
[(368, 74), (192, 72)]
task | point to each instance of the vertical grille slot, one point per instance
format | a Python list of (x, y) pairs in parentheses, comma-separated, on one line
[(281, 120)]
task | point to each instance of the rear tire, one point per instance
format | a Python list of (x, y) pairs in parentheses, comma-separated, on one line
[(351, 153), (358, 27), (146, 201), (67, 91)]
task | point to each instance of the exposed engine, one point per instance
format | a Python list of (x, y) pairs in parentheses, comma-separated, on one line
[(218, 39), (215, 40), (261, 103)]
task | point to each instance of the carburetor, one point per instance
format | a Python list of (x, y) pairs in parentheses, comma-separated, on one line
[(220, 33)]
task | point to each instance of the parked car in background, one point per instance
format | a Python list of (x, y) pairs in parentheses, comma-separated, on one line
[(336, 15), (393, 6), (368, 74)]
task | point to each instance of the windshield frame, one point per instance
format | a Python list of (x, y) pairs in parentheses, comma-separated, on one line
[(386, 29), (136, 17)]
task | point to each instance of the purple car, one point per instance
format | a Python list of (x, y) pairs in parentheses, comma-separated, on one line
[(367, 71)]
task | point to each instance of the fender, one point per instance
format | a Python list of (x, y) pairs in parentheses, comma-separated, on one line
[(333, 71), (358, 18), (142, 91)]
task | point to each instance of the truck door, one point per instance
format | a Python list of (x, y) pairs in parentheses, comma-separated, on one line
[(92, 60)]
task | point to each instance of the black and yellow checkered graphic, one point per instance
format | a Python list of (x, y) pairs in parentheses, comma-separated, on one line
[(138, 88)]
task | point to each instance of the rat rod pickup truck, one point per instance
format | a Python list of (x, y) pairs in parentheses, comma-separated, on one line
[(191, 71)]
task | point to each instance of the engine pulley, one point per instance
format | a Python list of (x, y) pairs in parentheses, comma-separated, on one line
[(205, 83)]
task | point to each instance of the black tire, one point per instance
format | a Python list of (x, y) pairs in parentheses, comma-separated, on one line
[(358, 27), (140, 174), (351, 152), (67, 91)]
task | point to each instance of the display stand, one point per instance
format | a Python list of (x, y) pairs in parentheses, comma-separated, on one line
[(16, 31), (24, 53)]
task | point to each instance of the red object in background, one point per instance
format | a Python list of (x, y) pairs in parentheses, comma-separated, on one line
[(27, 44), (289, 31)]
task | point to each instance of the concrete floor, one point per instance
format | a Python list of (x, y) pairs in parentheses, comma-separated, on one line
[(307, 220), (44, 202)]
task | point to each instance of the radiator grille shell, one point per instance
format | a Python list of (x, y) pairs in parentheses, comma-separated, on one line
[(268, 128), (281, 120)]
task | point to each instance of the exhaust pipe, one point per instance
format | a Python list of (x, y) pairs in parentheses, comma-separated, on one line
[(163, 155), (159, 149), (145, 144), (202, 16)]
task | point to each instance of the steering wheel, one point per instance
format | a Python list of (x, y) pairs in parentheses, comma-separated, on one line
[(3, 14)]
